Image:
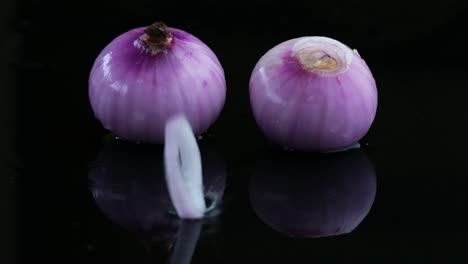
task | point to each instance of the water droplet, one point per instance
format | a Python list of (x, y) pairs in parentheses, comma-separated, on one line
[(200, 137)]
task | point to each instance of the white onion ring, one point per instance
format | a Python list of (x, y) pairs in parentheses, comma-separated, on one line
[(183, 169)]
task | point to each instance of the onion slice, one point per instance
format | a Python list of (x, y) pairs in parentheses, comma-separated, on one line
[(183, 169)]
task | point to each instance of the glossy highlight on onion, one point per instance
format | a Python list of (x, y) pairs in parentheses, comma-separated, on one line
[(314, 94), (149, 74)]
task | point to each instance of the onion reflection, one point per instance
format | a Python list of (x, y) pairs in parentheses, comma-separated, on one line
[(314, 195), (128, 186)]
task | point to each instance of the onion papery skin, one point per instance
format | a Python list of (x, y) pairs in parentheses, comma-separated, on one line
[(133, 91), (301, 106)]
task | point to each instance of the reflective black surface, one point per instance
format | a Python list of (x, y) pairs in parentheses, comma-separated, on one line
[(408, 188)]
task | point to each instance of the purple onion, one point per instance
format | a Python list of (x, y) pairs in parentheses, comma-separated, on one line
[(314, 195), (313, 93), (128, 185), (147, 75)]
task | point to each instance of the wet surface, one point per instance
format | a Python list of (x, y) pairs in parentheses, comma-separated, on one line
[(72, 197)]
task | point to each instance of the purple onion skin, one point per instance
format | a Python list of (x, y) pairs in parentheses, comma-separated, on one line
[(313, 109), (314, 196), (133, 91), (128, 186)]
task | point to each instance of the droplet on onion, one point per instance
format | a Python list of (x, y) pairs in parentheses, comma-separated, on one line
[(149, 74), (313, 93)]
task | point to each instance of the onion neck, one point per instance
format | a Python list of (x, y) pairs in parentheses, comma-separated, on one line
[(157, 37), (323, 56)]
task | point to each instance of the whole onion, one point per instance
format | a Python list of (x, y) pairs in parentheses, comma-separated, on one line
[(314, 196), (313, 93), (147, 75)]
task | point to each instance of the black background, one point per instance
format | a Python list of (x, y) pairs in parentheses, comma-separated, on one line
[(416, 51)]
